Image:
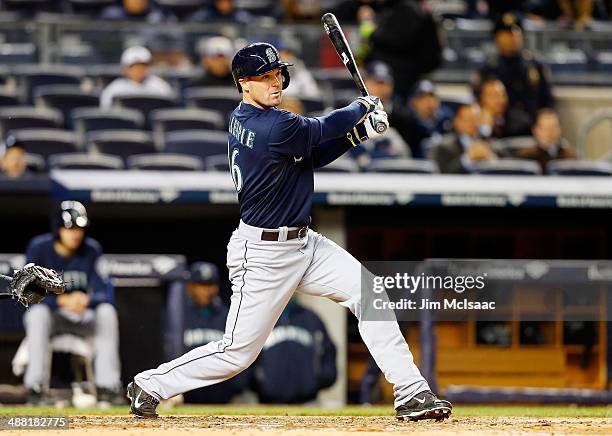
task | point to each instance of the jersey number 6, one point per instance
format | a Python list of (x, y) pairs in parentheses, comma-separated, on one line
[(236, 173)]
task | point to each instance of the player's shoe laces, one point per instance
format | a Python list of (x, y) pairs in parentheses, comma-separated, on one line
[(142, 404), (424, 405)]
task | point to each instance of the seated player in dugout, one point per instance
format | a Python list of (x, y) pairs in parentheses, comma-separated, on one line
[(204, 317), (85, 309), (297, 360), (273, 253)]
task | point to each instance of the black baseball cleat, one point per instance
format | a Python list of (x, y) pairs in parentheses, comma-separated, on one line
[(424, 405), (142, 404)]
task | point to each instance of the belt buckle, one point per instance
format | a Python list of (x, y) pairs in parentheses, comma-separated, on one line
[(302, 232)]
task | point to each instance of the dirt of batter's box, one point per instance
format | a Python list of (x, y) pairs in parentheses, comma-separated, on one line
[(327, 425)]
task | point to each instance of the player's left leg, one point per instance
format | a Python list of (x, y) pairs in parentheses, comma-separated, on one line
[(335, 274)]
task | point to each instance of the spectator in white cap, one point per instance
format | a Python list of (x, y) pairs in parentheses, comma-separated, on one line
[(216, 59), (135, 63)]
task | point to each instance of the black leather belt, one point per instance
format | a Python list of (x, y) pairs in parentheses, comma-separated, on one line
[(272, 235)]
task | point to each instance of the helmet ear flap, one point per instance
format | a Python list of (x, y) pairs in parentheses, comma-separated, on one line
[(286, 77)]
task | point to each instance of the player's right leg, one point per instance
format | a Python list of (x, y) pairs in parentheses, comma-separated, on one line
[(264, 275)]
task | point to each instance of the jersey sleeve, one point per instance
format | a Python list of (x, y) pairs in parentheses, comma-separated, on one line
[(294, 135)]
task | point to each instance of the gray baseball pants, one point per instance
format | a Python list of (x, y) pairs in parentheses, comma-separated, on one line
[(41, 323), (264, 276)]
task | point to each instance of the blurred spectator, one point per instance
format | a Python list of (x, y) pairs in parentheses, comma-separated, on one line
[(424, 118), (498, 120), (204, 316), (168, 48), (215, 57), (527, 81), (549, 143), (302, 83), (579, 12), (406, 38), (221, 11), (294, 10), (135, 62), (13, 162), (297, 360), (348, 11), (494, 9), (137, 10), (85, 309), (456, 152), (292, 104), (379, 82)]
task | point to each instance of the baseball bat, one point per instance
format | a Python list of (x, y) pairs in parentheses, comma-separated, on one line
[(335, 34)]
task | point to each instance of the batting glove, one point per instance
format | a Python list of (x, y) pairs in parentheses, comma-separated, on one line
[(375, 125), (372, 103)]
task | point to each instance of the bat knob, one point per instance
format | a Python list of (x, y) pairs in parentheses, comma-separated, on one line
[(380, 127)]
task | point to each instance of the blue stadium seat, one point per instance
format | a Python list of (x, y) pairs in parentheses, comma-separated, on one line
[(65, 98), (170, 120), (201, 143), (46, 142), (218, 162), (89, 6), (165, 162), (145, 103), (571, 167), (123, 143), (221, 99), (312, 104), (342, 165), (36, 163), (32, 76), (85, 161), (25, 117), (94, 118), (18, 53), (508, 167), (334, 80), (404, 166), (8, 98)]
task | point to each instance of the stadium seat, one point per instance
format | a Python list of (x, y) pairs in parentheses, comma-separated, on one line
[(35, 163), (170, 120), (201, 143), (25, 117), (508, 167), (46, 142), (94, 118), (123, 143), (342, 165), (222, 99), (181, 8), (104, 74), (18, 53), (145, 103), (89, 6), (85, 161), (218, 162), (571, 167), (165, 162), (65, 98), (31, 76), (405, 166), (8, 98)]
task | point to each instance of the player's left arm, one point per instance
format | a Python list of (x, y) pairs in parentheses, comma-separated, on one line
[(327, 152)]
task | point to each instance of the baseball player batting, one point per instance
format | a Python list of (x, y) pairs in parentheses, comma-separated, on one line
[(273, 253)]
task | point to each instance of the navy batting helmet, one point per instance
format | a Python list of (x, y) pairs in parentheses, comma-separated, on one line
[(71, 214), (257, 59)]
